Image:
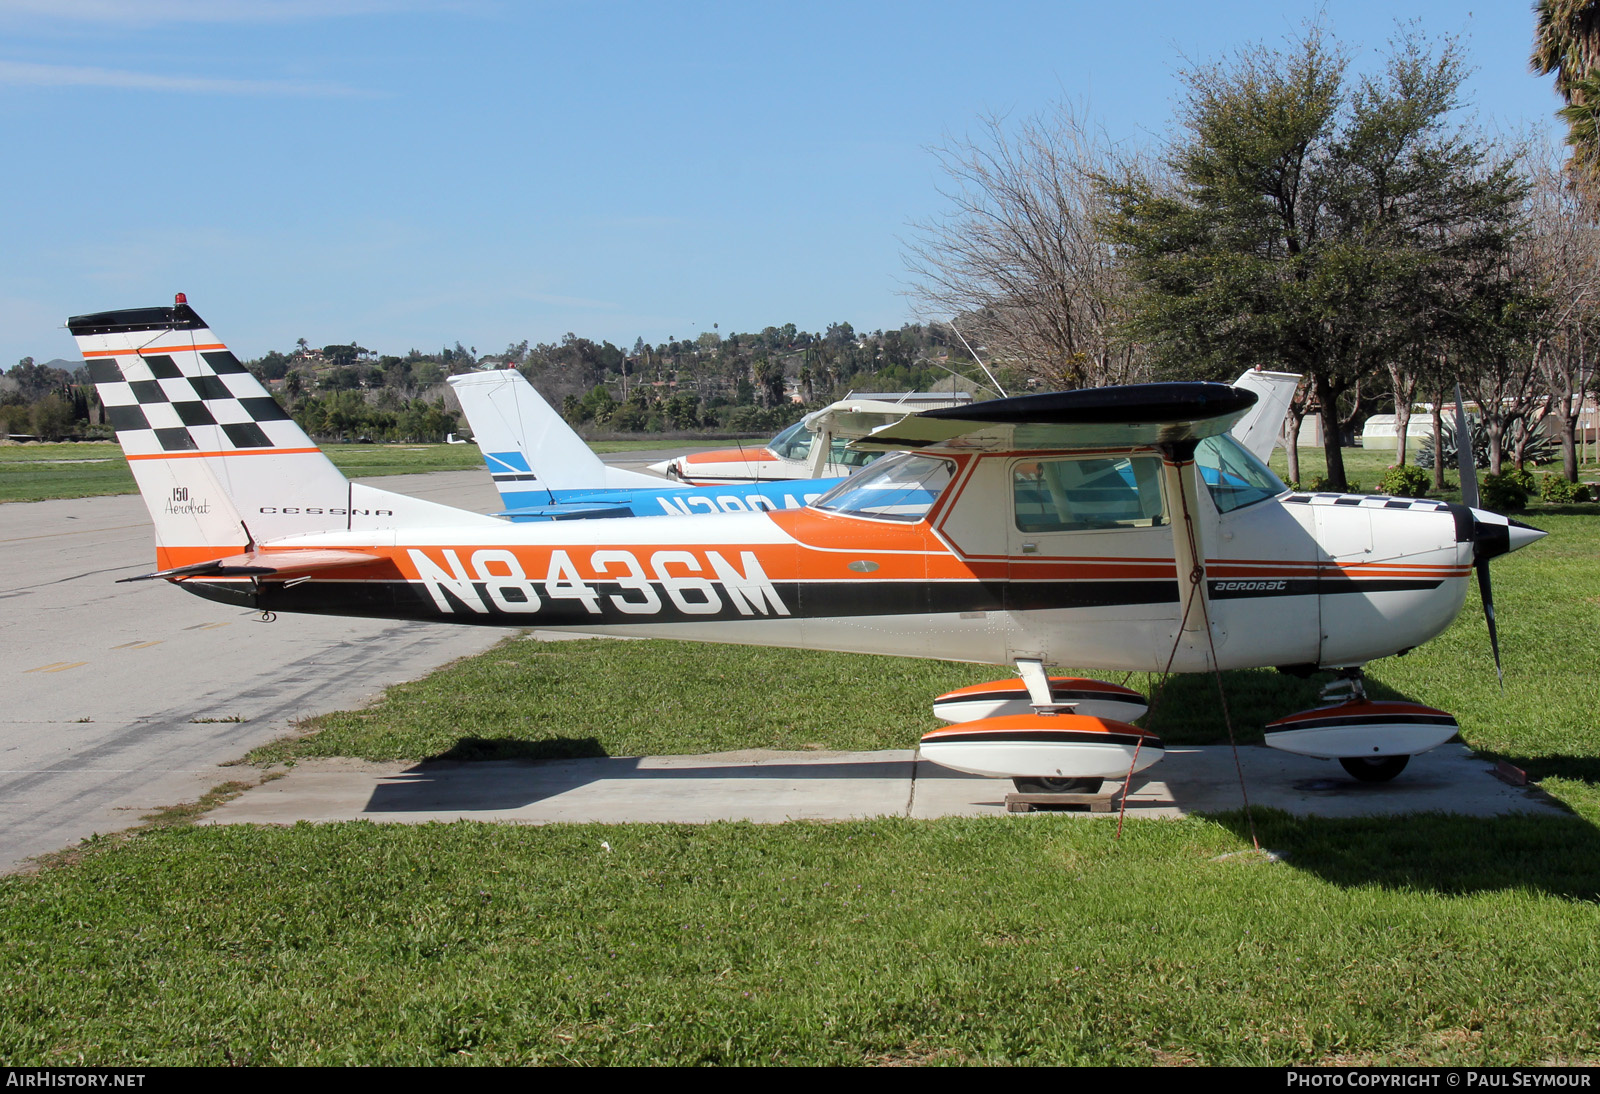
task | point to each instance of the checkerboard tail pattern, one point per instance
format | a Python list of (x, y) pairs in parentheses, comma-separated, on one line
[(173, 387), (218, 461)]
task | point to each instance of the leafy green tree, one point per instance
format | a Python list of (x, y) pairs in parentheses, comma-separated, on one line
[(598, 406), (36, 381), (1315, 224), (51, 417), (273, 366)]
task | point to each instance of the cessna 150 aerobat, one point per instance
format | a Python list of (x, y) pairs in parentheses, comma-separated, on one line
[(1115, 527)]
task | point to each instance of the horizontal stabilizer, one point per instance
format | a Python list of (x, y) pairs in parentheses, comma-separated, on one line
[(266, 563), (623, 507)]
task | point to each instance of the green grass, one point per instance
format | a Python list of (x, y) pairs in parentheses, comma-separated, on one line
[(35, 472), (1365, 466), (1436, 941)]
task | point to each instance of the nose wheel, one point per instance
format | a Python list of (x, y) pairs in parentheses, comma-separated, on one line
[(1057, 786), (1376, 769)]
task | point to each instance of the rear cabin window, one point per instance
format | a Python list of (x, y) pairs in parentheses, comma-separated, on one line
[(1071, 495)]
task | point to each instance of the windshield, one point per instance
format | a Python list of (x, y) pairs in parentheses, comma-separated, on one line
[(1234, 476), (900, 487), (793, 443)]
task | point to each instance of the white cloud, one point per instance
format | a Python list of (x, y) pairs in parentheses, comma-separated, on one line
[(26, 74)]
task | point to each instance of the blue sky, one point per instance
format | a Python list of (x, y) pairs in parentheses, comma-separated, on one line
[(410, 174)]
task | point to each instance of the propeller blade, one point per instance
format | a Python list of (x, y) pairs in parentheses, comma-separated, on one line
[(1466, 457), (1464, 454), (1482, 566)]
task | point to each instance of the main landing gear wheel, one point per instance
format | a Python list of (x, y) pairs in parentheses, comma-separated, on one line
[(1375, 769), (1057, 786)]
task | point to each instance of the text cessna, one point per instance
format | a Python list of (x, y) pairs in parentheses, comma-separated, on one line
[(676, 581)]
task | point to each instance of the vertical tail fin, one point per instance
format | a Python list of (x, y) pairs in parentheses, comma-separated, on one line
[(218, 461), (533, 455), (1261, 427)]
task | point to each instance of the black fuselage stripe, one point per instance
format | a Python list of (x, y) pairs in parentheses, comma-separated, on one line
[(402, 599)]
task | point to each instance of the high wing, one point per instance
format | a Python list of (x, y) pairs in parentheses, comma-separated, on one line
[(1131, 416)]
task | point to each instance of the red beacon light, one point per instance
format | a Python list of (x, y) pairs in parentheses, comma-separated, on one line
[(181, 298)]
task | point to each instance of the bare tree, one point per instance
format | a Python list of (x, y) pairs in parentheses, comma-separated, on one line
[(1020, 257), (1563, 256)]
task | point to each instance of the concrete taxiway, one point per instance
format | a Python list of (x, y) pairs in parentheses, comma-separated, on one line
[(120, 699), (773, 787)]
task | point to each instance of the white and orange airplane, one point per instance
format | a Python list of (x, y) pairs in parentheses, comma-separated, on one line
[(1120, 528)]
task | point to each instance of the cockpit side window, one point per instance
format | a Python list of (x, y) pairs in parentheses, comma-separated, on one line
[(1080, 494), (899, 487)]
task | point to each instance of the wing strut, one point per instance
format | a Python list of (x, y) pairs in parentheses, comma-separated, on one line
[(1183, 485)]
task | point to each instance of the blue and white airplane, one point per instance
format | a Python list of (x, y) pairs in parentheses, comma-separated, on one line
[(545, 471)]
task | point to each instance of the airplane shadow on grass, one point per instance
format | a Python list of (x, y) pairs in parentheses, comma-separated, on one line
[(1449, 854), (483, 776), (1438, 850)]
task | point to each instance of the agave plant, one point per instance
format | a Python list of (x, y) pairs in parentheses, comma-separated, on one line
[(1539, 449)]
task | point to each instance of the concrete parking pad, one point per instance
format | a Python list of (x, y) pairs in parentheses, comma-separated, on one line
[(770, 787)]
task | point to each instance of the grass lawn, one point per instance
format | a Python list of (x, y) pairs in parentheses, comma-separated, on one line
[(1042, 939), (1365, 466), (34, 472)]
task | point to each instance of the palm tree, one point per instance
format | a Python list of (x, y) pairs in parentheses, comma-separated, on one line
[(1567, 43)]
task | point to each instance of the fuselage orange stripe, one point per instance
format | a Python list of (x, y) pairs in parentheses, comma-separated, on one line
[(240, 452)]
